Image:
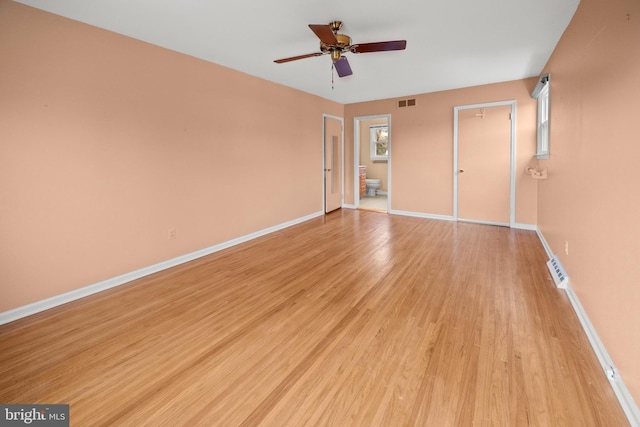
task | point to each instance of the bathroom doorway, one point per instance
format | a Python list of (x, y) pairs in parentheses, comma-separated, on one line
[(372, 162)]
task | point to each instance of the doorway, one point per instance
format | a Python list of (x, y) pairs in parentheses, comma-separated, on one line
[(333, 162), (484, 159), (372, 161)]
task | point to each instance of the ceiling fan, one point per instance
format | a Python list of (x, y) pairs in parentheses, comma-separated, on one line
[(336, 44)]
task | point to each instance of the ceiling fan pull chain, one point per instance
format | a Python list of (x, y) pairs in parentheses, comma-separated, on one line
[(331, 75)]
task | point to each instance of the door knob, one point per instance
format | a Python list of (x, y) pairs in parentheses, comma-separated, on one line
[(461, 170), (327, 170)]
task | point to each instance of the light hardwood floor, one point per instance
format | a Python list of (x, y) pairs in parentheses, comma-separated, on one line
[(353, 319), (377, 203)]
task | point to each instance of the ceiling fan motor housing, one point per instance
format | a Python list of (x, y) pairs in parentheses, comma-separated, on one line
[(343, 44)]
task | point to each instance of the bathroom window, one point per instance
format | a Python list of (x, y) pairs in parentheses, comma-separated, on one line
[(379, 142)]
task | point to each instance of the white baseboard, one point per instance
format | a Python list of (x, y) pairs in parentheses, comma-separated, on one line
[(629, 406), (619, 388), (475, 221), (422, 215), (39, 306), (546, 246), (349, 206), (520, 226)]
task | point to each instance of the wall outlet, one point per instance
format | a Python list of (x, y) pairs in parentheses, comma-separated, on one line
[(171, 234), (566, 247)]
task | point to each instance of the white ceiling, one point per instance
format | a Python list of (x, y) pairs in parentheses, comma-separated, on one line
[(450, 43)]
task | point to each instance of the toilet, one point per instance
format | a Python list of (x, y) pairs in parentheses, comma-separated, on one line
[(372, 186)]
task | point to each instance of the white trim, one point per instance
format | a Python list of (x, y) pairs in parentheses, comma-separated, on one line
[(629, 406), (513, 145), (619, 388), (546, 246), (542, 124), (543, 81), (38, 306), (477, 221), (422, 215), (356, 157), (542, 87), (349, 206), (356, 163), (324, 159), (520, 226), (390, 138)]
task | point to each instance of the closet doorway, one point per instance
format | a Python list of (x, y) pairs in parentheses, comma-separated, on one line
[(484, 158)]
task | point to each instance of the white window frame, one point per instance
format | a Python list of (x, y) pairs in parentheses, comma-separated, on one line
[(541, 94), (373, 132)]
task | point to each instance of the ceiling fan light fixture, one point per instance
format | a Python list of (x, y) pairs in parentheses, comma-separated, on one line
[(343, 40), (343, 43)]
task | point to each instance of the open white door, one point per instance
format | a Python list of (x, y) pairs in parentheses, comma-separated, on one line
[(333, 163)]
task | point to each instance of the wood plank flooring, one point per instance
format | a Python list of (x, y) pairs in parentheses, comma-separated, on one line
[(353, 319)]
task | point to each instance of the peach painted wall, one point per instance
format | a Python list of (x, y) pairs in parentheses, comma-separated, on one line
[(107, 142), (591, 198), (422, 151), (375, 170)]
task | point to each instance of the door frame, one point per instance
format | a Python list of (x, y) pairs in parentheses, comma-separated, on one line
[(512, 162), (356, 157), (324, 160)]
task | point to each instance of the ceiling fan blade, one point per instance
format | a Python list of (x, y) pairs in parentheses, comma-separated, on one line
[(295, 58), (324, 33), (379, 46), (342, 67)]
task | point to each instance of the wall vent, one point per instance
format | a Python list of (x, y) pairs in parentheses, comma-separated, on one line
[(558, 273), (407, 103)]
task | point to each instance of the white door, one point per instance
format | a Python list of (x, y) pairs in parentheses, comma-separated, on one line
[(484, 164), (332, 163)]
